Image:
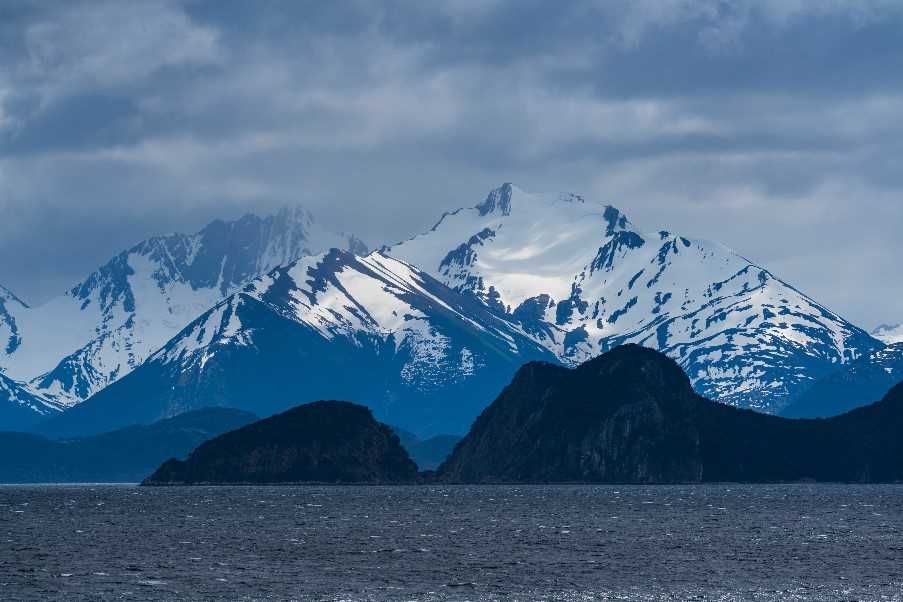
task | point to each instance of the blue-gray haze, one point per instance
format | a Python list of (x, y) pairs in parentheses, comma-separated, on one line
[(774, 126)]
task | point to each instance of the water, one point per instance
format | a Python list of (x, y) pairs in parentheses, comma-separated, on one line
[(721, 542)]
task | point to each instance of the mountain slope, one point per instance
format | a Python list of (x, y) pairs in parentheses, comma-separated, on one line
[(125, 455), (104, 327), (323, 442), (369, 329), (584, 279), (862, 382), (631, 416), (19, 407)]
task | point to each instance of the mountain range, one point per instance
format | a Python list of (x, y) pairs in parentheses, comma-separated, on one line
[(71, 347), (264, 313), (370, 329)]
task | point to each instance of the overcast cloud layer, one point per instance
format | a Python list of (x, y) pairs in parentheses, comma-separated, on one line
[(774, 126)]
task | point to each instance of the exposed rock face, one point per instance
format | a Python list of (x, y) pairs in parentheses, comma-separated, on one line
[(631, 416), (321, 442)]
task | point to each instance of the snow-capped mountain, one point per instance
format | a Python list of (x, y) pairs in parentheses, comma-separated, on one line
[(19, 407), (889, 333), (102, 328), (583, 279), (859, 383), (334, 326)]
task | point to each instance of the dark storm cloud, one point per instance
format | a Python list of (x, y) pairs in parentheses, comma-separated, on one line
[(773, 126)]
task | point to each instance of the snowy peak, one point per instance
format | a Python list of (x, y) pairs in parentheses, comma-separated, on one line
[(224, 255), (889, 333), (513, 245), (253, 245), (498, 200), (372, 329), (506, 197), (374, 302), (582, 278), (108, 324), (339, 294)]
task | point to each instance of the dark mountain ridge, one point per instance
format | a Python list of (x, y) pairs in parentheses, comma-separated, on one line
[(631, 416), (124, 456)]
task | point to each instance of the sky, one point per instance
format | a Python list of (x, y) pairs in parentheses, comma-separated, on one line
[(773, 126)]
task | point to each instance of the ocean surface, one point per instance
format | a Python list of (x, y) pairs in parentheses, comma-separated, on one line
[(714, 542)]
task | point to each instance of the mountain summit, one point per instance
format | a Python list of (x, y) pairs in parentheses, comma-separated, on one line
[(584, 279), (105, 326)]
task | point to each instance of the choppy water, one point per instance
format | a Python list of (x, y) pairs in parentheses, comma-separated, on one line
[(724, 542)]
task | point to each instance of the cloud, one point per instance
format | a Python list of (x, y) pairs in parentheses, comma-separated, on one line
[(102, 51), (112, 44), (757, 123), (721, 25)]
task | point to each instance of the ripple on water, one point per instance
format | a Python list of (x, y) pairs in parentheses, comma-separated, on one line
[(793, 542)]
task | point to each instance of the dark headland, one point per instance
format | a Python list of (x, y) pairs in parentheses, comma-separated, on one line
[(631, 416)]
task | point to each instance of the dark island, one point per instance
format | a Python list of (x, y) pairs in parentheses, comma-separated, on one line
[(321, 442), (631, 416)]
